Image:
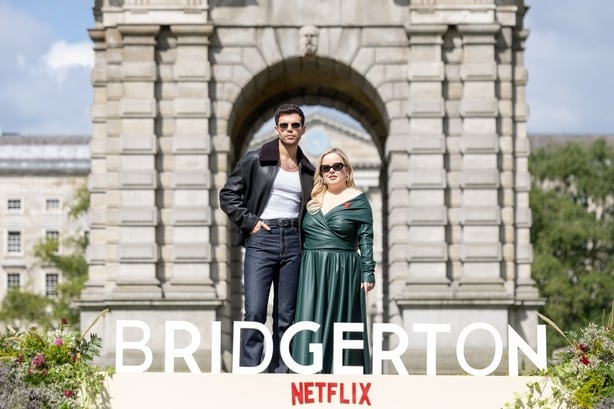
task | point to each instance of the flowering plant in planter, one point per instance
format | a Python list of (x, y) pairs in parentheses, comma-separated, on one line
[(582, 376), (51, 370)]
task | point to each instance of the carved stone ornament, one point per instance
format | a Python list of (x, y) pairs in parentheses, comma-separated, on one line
[(309, 40)]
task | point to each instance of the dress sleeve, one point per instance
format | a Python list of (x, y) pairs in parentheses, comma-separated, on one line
[(365, 245)]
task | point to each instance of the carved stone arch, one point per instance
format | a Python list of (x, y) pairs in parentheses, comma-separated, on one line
[(307, 84)]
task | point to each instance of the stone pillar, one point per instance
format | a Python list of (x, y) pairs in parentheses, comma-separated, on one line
[(426, 216), (185, 175), (453, 94), (525, 287), (461, 231), (150, 258), (97, 214), (481, 176), (134, 180), (504, 90)]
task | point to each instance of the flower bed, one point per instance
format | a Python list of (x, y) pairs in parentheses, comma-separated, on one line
[(582, 376), (51, 370)]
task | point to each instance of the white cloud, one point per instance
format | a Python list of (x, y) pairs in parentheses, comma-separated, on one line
[(44, 81), (62, 55), (63, 58)]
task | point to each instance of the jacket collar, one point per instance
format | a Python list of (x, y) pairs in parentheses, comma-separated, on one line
[(269, 154)]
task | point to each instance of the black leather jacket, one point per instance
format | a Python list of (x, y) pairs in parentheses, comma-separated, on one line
[(249, 186)]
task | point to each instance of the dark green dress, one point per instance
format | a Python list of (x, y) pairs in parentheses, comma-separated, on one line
[(337, 256)]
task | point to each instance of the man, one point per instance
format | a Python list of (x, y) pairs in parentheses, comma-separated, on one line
[(265, 196)]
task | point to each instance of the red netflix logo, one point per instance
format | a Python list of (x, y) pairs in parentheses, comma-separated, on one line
[(355, 393)]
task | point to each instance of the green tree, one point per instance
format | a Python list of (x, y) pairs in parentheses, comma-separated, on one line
[(21, 309), (572, 201), (73, 266), (23, 306), (71, 262)]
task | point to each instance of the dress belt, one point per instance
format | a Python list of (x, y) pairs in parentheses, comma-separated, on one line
[(281, 222)]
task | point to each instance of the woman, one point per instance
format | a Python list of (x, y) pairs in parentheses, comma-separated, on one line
[(337, 266)]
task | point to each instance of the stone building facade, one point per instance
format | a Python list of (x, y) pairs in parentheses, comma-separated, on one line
[(39, 176), (180, 88)]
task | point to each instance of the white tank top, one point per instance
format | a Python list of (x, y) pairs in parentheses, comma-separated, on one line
[(285, 201)]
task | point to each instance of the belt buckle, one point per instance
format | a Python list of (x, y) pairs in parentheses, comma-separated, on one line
[(284, 222)]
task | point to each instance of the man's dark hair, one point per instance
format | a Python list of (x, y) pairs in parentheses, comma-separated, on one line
[(289, 109)]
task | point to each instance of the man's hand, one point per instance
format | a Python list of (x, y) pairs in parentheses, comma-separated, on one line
[(258, 226)]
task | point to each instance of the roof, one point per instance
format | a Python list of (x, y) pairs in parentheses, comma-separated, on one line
[(36, 154)]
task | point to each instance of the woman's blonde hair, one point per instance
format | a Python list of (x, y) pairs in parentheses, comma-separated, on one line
[(319, 187)]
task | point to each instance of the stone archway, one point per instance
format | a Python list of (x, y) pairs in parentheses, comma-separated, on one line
[(314, 80), (311, 80), (180, 85)]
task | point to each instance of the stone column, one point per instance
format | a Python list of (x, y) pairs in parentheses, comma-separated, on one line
[(97, 214), (453, 123), (185, 174), (525, 286), (133, 183), (426, 216), (505, 96), (481, 176)]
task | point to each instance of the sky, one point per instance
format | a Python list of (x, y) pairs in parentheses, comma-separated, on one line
[(46, 58)]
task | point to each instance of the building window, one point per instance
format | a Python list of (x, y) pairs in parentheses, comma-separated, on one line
[(14, 205), (13, 242), (13, 280), (51, 284), (52, 204), (54, 236)]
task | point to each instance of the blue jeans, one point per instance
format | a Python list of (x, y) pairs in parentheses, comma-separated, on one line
[(272, 258)]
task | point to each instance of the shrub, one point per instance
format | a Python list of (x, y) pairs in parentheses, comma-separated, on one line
[(52, 370), (582, 376)]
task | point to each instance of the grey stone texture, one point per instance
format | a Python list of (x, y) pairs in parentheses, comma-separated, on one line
[(182, 86)]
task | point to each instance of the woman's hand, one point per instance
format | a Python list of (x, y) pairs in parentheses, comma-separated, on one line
[(367, 286)]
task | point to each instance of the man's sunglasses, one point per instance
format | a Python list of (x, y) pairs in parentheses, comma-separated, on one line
[(295, 125), (335, 166)]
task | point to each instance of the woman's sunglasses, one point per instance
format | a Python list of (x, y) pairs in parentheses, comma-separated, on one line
[(335, 166), (283, 126)]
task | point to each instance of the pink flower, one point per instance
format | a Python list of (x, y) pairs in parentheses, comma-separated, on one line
[(58, 341), (68, 393), (38, 360), (584, 360)]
